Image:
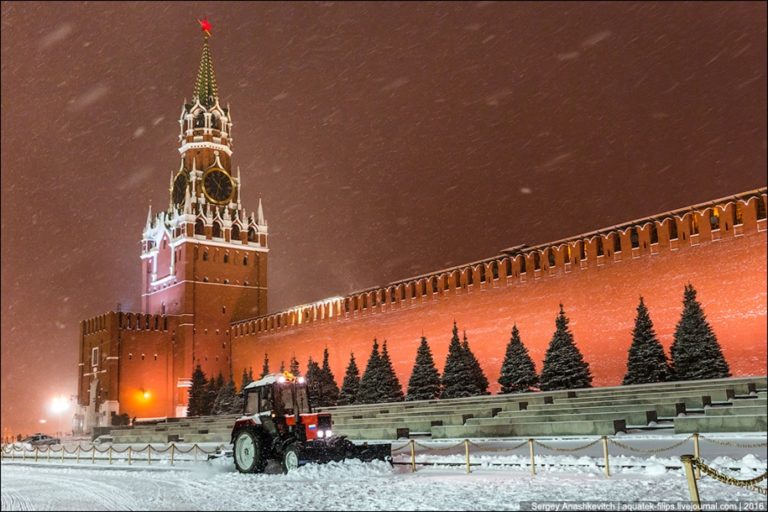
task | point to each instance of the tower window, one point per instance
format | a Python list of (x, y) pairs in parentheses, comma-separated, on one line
[(714, 219), (738, 214), (205, 255), (252, 235), (761, 212), (95, 356), (155, 357), (199, 227), (226, 258), (216, 233), (673, 230), (142, 357), (694, 224), (245, 260), (235, 234)]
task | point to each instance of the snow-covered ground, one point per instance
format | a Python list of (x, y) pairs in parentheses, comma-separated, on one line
[(502, 482)]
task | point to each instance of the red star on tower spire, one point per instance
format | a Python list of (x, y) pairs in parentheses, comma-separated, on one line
[(205, 26)]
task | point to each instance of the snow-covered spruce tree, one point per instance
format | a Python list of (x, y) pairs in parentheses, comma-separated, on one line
[(225, 399), (564, 366), (211, 390), (314, 383), (696, 354), (481, 381), (294, 367), (219, 381), (265, 365), (368, 392), (518, 373), (458, 380), (424, 383), (348, 393), (646, 362), (391, 390), (245, 379), (250, 374), (329, 389), (198, 393), (282, 366)]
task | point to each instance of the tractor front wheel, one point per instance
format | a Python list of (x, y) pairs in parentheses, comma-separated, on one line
[(249, 452), (291, 458)]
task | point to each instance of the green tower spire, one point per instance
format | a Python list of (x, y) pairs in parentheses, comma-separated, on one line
[(205, 87)]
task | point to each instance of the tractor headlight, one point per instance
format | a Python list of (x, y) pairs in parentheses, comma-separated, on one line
[(320, 434)]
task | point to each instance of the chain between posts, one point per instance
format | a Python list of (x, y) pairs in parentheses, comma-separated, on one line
[(690, 463), (650, 450), (737, 445), (578, 448)]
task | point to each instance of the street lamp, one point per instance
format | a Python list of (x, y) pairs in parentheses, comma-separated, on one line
[(59, 404)]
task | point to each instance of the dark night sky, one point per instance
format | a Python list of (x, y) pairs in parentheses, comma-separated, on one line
[(386, 140)]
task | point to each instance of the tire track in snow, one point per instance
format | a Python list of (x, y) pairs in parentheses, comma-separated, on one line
[(12, 500)]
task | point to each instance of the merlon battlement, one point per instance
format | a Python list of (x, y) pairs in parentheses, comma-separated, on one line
[(720, 219)]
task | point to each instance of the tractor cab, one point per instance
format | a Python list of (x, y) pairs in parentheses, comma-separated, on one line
[(280, 403), (278, 424)]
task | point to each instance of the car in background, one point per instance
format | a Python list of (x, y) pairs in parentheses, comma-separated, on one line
[(39, 440)]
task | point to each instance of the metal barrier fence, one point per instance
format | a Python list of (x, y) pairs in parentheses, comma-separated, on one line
[(694, 465), (533, 443), (126, 454)]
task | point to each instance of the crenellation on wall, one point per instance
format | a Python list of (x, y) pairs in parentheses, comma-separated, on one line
[(648, 237)]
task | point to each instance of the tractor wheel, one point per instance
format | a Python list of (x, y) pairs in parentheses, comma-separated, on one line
[(249, 452), (291, 458)]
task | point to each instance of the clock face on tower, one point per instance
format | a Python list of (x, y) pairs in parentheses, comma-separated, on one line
[(217, 185), (179, 188)]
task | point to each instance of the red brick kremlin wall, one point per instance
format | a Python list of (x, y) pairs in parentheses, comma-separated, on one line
[(726, 265)]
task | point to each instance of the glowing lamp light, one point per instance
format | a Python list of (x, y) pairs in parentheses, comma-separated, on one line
[(146, 395), (281, 379), (301, 380), (43, 421), (59, 404)]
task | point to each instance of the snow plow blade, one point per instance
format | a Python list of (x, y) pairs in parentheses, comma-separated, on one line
[(340, 448)]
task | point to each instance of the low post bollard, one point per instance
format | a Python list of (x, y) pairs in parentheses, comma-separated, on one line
[(23, 453), (413, 456), (62, 454), (110, 455), (93, 454), (36, 451), (696, 452), (605, 454), (48, 454), (129, 455), (194, 448), (690, 475), (173, 448), (78, 453), (533, 457), (466, 449), (149, 455)]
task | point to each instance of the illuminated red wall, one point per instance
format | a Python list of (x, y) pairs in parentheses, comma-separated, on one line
[(729, 275)]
